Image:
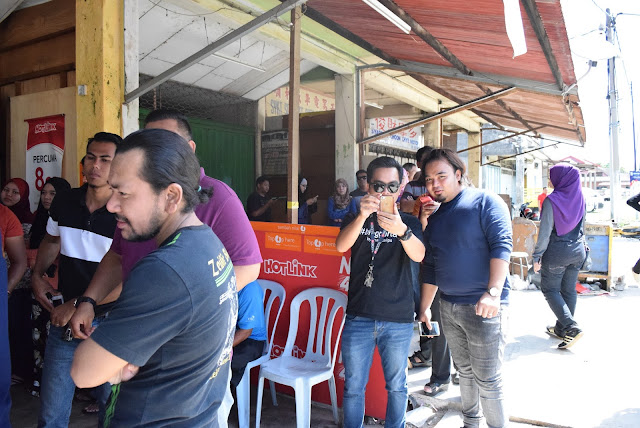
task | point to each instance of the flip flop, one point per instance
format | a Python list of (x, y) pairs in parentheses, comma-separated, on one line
[(418, 360)]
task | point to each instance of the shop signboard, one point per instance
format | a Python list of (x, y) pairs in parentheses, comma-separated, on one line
[(409, 139), (277, 102), (304, 256), (45, 148)]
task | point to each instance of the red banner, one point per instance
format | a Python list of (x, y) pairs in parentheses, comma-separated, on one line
[(304, 256), (45, 148)]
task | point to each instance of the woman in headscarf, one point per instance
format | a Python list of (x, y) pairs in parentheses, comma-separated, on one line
[(560, 250), (340, 203), (15, 196), (39, 317), (52, 187), (306, 205)]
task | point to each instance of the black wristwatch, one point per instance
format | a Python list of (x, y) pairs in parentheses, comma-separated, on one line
[(83, 299), (408, 234)]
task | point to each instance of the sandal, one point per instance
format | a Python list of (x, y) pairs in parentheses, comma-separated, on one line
[(418, 360), (455, 378), (434, 388)]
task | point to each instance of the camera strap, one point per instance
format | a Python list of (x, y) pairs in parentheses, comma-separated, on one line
[(375, 247)]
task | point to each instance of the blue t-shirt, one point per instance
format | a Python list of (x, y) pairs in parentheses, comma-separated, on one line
[(251, 311), (5, 360), (339, 214), (175, 319), (460, 239)]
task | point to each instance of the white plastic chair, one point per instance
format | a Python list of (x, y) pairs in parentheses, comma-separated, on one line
[(243, 390), (316, 365)]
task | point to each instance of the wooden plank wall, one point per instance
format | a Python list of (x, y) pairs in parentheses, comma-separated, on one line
[(37, 53)]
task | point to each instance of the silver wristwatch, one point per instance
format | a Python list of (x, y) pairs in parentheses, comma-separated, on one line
[(495, 291)]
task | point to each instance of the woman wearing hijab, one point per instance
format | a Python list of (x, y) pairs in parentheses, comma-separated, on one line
[(52, 187), (340, 203), (307, 205), (15, 196), (560, 250)]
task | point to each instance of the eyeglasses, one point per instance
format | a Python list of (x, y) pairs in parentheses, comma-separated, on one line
[(379, 186), (362, 177)]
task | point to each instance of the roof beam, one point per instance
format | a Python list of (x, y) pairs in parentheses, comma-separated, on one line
[(508, 109), (541, 33), (251, 80), (498, 139), (440, 115), (214, 47), (487, 78), (432, 41)]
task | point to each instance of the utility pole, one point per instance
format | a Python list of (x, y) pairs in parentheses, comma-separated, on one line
[(614, 165)]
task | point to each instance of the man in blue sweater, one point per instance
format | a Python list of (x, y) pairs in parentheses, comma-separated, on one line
[(468, 244)]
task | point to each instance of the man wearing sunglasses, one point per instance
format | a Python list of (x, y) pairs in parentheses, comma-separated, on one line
[(385, 246), (362, 189)]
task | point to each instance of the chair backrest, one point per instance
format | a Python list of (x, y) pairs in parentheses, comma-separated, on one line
[(320, 325), (276, 292), (525, 234)]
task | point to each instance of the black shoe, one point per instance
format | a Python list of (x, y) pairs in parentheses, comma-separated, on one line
[(570, 338), (551, 331)]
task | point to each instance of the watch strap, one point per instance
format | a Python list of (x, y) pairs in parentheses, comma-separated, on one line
[(408, 234), (83, 299)]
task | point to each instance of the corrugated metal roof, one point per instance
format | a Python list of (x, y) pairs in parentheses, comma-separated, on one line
[(474, 31)]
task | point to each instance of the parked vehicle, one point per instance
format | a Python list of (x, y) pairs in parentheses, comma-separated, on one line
[(593, 200), (530, 213)]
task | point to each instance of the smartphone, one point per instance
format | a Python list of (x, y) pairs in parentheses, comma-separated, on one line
[(435, 329), (386, 204), (56, 300)]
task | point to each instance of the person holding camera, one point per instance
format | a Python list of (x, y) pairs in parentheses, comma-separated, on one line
[(386, 246)]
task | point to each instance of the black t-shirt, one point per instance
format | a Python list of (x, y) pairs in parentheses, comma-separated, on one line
[(175, 319), (254, 203), (84, 239), (390, 298)]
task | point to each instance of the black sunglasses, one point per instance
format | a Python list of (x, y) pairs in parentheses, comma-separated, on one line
[(379, 186), (362, 177)]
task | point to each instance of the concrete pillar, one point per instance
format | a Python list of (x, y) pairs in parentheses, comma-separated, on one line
[(131, 111), (260, 126), (431, 132), (520, 165), (346, 146), (474, 170), (99, 68)]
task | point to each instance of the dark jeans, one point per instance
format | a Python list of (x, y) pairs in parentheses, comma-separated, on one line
[(558, 284), (20, 333), (243, 353), (440, 355)]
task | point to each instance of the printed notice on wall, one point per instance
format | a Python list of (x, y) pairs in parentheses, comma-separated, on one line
[(275, 152), (45, 147)]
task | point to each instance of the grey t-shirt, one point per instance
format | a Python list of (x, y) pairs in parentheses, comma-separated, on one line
[(175, 319)]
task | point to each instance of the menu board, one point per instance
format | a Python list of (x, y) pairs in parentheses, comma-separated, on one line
[(275, 152)]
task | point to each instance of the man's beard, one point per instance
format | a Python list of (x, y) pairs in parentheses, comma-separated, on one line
[(155, 224)]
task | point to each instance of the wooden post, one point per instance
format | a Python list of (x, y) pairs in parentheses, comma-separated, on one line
[(294, 116)]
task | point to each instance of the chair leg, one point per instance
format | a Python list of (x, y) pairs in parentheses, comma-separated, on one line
[(334, 398), (243, 399), (259, 399), (303, 405), (272, 387)]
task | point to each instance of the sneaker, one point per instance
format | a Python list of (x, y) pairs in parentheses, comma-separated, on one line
[(570, 338), (551, 331)]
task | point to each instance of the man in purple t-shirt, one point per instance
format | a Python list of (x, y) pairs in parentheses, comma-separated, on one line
[(224, 213)]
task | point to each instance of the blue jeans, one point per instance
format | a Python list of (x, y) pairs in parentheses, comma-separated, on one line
[(57, 387), (477, 346), (359, 339), (558, 284)]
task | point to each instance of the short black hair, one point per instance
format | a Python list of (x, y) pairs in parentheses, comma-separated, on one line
[(451, 158), (165, 114), (423, 151), (360, 171), (261, 180), (407, 166), (167, 160), (383, 162), (105, 137)]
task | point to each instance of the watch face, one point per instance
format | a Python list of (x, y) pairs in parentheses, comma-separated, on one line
[(494, 292)]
